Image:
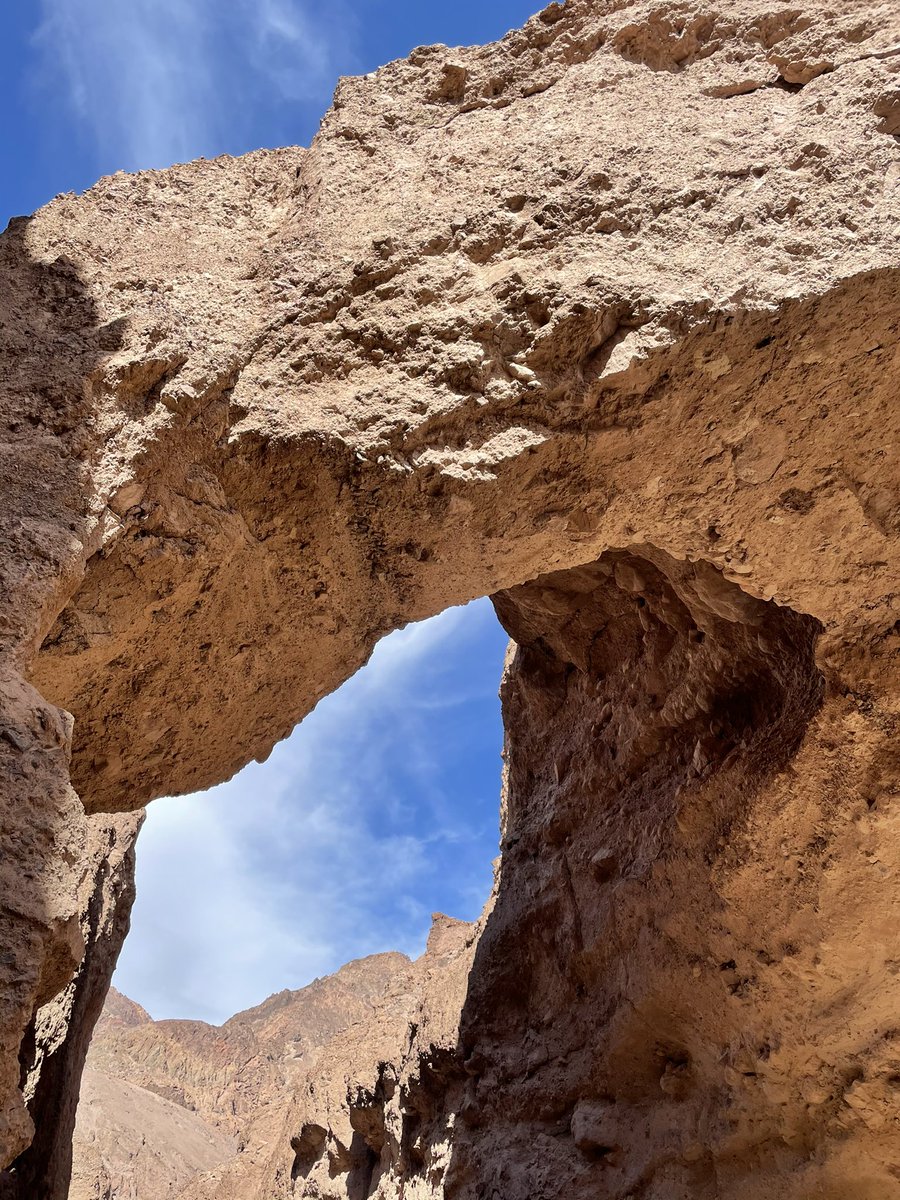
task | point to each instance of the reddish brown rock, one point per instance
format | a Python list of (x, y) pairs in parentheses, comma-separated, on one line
[(131, 1142), (181, 1108)]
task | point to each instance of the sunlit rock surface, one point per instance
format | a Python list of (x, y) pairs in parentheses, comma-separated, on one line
[(609, 306)]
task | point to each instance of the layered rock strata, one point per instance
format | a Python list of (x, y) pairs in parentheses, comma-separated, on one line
[(616, 294)]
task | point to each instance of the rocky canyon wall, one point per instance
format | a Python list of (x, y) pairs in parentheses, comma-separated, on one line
[(666, 997), (610, 306)]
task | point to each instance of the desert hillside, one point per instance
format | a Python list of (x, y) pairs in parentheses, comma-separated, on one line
[(182, 1109), (600, 321)]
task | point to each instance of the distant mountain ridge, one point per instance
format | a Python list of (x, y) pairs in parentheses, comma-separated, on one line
[(184, 1110)]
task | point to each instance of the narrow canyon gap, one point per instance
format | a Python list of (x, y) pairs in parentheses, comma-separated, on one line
[(501, 331)]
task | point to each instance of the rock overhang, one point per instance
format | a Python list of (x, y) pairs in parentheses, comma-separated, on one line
[(626, 278)]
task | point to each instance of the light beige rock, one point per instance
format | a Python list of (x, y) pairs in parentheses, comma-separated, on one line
[(130, 1142), (258, 412)]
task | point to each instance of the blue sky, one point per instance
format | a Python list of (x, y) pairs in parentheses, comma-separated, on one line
[(382, 806)]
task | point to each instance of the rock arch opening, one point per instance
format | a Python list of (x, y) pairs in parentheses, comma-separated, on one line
[(260, 412), (378, 810), (651, 709), (292, 601)]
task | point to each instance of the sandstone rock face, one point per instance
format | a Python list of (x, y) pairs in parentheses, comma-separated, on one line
[(605, 312)]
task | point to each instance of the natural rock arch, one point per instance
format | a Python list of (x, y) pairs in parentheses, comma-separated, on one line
[(261, 411)]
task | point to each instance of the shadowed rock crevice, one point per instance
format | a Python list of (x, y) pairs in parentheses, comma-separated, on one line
[(648, 707), (58, 1040)]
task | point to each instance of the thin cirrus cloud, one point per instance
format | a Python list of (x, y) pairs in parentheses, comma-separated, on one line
[(160, 81), (379, 809)]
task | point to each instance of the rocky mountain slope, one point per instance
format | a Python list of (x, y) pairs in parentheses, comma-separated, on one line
[(131, 1143), (601, 321), (171, 1110)]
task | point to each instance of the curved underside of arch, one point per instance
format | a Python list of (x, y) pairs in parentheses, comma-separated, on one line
[(601, 321)]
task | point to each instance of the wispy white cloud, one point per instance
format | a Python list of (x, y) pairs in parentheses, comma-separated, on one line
[(159, 81), (295, 51), (379, 807)]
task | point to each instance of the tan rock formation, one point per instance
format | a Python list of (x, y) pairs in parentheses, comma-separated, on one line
[(130, 1142), (182, 1108), (616, 295)]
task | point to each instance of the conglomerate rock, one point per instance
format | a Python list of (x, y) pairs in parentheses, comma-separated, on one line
[(600, 320)]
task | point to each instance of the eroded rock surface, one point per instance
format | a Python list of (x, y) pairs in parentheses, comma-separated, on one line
[(132, 1142), (618, 290), (185, 1109)]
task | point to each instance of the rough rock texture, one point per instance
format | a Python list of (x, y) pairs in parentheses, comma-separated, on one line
[(619, 290), (227, 1073), (185, 1109), (130, 1142), (57, 1043)]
